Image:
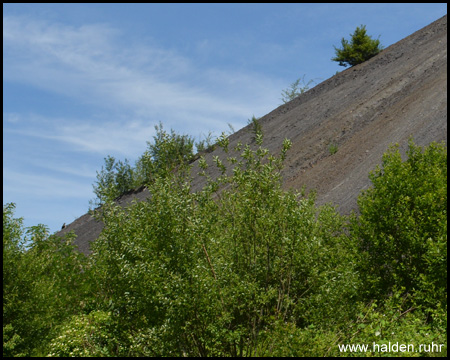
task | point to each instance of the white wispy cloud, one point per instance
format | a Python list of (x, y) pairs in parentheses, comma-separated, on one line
[(43, 186), (81, 135), (90, 63), (80, 171)]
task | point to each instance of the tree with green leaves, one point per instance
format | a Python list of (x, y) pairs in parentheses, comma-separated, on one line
[(360, 48), (115, 178), (402, 226), (211, 273), (238, 268), (164, 154), (167, 152), (44, 282)]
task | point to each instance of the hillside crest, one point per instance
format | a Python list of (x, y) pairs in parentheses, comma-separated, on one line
[(398, 94)]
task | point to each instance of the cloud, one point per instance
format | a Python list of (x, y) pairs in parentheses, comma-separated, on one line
[(81, 171), (91, 63), (96, 136), (34, 186), (12, 118), (116, 137)]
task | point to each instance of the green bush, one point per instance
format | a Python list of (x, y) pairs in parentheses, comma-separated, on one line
[(85, 335), (44, 282), (13, 286), (360, 48), (388, 321), (377, 323), (239, 268), (402, 226), (113, 180), (167, 152), (209, 273)]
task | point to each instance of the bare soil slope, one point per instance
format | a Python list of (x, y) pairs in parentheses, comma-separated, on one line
[(399, 93)]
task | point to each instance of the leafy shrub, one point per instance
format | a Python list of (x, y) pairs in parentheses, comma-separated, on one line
[(360, 48), (43, 283), (168, 151), (256, 128), (85, 335), (389, 321), (402, 227), (239, 268), (377, 323), (207, 144), (297, 88), (209, 273), (113, 180), (13, 245)]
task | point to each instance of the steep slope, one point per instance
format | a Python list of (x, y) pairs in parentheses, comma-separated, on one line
[(399, 93)]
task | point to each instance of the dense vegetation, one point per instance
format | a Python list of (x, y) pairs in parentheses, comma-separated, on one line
[(360, 48), (240, 268), (162, 156)]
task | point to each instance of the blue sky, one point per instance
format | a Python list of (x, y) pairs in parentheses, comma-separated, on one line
[(83, 81)]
